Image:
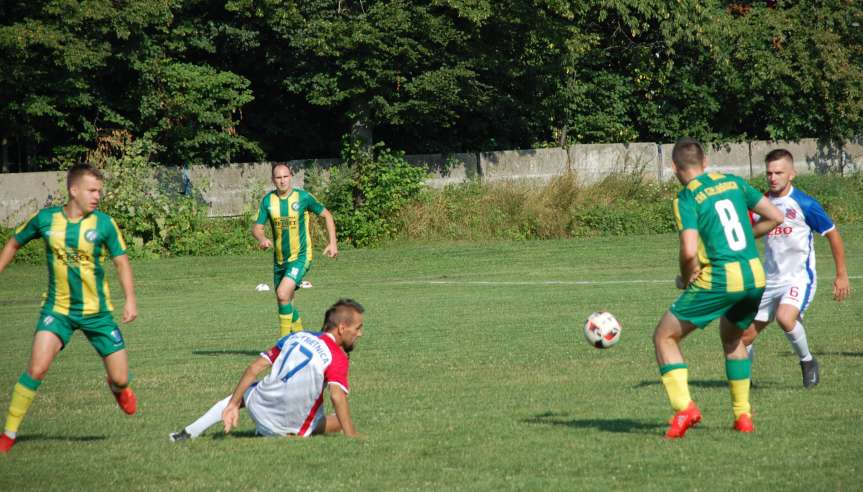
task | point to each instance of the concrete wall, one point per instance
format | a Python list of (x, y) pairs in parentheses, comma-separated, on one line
[(233, 189)]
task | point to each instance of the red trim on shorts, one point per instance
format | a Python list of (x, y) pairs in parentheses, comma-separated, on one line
[(308, 422)]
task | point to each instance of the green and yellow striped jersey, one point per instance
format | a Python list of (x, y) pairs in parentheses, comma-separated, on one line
[(289, 218), (75, 251), (717, 206)]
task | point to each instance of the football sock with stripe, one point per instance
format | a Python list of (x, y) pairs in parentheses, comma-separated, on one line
[(675, 378), (286, 319), (22, 398), (797, 338), (738, 372), (209, 419), (296, 322)]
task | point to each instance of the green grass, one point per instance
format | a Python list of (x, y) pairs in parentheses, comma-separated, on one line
[(472, 374)]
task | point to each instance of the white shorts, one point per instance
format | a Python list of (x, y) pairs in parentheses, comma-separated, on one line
[(261, 415), (798, 293)]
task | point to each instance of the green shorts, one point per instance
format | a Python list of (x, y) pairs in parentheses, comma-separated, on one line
[(700, 307), (294, 270), (100, 330)]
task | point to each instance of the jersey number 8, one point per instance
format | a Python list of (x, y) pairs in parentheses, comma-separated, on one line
[(731, 225)]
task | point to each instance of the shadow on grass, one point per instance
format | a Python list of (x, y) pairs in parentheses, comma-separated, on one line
[(698, 383), (605, 425), (226, 352), (241, 434), (43, 437), (843, 354)]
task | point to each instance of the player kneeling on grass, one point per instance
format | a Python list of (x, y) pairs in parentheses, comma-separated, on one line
[(289, 400)]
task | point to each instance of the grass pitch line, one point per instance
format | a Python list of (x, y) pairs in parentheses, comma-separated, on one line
[(494, 283)]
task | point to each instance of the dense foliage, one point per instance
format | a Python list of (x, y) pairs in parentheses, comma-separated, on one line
[(215, 81)]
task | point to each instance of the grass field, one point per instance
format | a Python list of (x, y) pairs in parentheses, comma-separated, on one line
[(472, 374)]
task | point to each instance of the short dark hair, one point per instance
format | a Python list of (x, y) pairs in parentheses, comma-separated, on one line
[(77, 171), (274, 165), (687, 153), (777, 154), (342, 311)]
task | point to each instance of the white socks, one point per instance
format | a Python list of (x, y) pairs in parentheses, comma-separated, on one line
[(797, 337), (209, 419)]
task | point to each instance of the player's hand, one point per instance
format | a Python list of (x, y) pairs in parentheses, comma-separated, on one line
[(332, 250), (230, 416), (130, 311), (265, 244), (841, 288), (679, 283)]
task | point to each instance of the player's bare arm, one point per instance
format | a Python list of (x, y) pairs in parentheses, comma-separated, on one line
[(688, 256), (343, 412), (231, 414), (332, 249), (841, 284), (124, 273), (770, 217), (9, 251), (258, 233)]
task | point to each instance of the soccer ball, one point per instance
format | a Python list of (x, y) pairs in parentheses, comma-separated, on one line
[(602, 330)]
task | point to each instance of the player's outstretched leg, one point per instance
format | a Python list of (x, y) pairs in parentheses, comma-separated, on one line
[(675, 374), (117, 368), (738, 370), (196, 428), (22, 398)]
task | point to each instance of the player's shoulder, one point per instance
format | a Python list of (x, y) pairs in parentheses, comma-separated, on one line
[(803, 199)]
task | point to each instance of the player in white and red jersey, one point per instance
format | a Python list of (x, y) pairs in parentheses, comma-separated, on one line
[(289, 400), (790, 262)]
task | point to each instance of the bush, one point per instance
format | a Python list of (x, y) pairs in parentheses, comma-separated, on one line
[(367, 191)]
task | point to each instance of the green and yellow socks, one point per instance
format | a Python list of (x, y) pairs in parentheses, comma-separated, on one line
[(22, 398), (738, 372), (675, 378), (289, 320)]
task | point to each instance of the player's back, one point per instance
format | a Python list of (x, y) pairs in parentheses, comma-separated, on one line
[(291, 394), (717, 206)]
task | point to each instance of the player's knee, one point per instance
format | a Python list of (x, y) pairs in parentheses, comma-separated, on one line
[(38, 371), (786, 321)]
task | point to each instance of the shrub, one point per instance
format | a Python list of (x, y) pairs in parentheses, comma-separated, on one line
[(367, 191)]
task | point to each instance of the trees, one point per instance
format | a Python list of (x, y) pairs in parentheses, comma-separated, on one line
[(212, 81)]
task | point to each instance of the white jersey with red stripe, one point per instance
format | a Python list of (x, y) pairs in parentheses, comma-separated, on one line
[(289, 400), (789, 253)]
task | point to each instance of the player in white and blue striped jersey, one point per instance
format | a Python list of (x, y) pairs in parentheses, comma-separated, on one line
[(790, 262)]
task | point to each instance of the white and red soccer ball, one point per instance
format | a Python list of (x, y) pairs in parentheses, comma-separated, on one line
[(602, 330)]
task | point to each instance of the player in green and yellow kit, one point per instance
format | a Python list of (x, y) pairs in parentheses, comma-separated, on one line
[(78, 239), (721, 275), (287, 210)]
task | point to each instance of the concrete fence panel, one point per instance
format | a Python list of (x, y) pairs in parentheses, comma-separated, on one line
[(593, 162), (805, 154), (730, 158), (446, 169), (531, 164), (22, 194)]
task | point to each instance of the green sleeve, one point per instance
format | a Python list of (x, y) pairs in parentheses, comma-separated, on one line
[(313, 204), (684, 211), (29, 230), (113, 237), (263, 211), (751, 195)]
